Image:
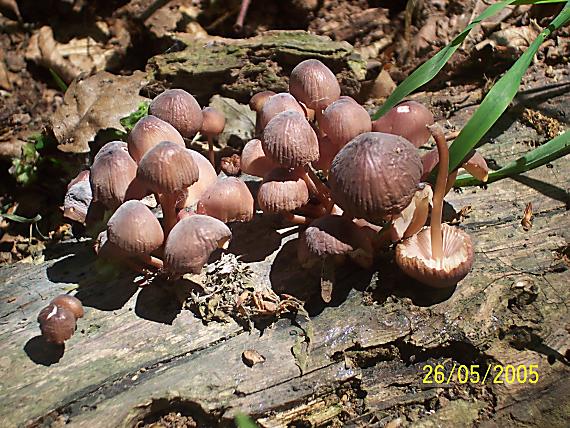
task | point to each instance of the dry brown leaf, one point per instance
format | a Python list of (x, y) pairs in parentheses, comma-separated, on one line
[(93, 104), (4, 78), (526, 221), (80, 55), (251, 357)]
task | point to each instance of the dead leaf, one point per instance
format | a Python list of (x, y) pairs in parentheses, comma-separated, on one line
[(251, 357), (79, 55), (526, 221), (240, 121), (93, 104), (4, 77)]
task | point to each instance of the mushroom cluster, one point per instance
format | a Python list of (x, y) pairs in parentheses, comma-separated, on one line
[(373, 193)]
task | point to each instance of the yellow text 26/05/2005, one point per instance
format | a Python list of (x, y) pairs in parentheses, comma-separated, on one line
[(475, 374)]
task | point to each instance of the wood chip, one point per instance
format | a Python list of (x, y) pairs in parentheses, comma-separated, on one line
[(251, 357), (526, 221)]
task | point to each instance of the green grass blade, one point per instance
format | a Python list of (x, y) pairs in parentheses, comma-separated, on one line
[(58, 80), (553, 149), (244, 421), (429, 69), (500, 96)]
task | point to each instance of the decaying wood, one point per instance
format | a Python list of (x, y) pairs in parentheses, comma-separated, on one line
[(137, 354), (239, 68)]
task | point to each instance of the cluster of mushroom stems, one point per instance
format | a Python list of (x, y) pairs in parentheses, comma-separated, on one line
[(375, 191)]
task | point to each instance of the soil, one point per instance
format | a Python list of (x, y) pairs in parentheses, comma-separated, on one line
[(512, 310)]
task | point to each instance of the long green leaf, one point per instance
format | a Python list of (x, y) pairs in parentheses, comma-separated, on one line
[(554, 149), (430, 68), (20, 219), (500, 96)]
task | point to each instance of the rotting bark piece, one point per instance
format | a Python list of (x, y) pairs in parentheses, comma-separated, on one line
[(236, 68), (95, 103)]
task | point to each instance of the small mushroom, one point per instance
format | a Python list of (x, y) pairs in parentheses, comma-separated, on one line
[(147, 133), (254, 161), (343, 120), (282, 191), (206, 178), (228, 200), (256, 103), (412, 218), (168, 169), (134, 229), (314, 84), (191, 242), (111, 174), (212, 126), (409, 120), (57, 323), (70, 302), (439, 255), (475, 164), (375, 176), (276, 104), (330, 239), (180, 109)]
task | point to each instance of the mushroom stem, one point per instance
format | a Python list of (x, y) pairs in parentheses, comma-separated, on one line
[(169, 216), (241, 16), (151, 261), (295, 219), (313, 210), (439, 192), (327, 279), (316, 187), (211, 151)]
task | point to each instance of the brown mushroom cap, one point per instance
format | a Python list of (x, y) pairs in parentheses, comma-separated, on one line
[(276, 104), (214, 122), (134, 228), (82, 176), (111, 173), (314, 84), (148, 132), (180, 109), (409, 120), (343, 120), (167, 168), (327, 152), (111, 147), (228, 200), (70, 302), (56, 323), (254, 161), (332, 235), (192, 241), (289, 140), (414, 257), (207, 177), (375, 176), (282, 190), (257, 102), (77, 200)]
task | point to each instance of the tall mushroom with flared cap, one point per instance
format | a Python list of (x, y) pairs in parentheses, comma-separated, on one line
[(212, 126), (375, 176), (168, 169), (439, 255), (329, 240), (180, 109), (192, 241)]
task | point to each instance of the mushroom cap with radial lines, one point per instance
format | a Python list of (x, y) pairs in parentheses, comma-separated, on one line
[(180, 109), (414, 257), (375, 176), (282, 190), (343, 120), (257, 101), (333, 235), (134, 228), (228, 200), (276, 104), (56, 323), (148, 132), (314, 84), (289, 140), (167, 168), (111, 174), (191, 242)]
